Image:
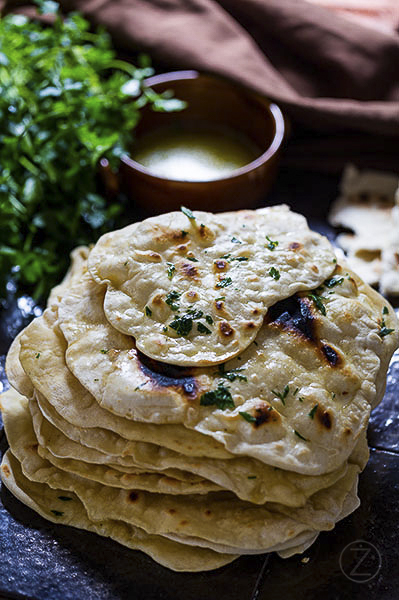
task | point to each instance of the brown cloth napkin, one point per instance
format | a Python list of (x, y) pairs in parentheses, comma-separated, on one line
[(337, 81)]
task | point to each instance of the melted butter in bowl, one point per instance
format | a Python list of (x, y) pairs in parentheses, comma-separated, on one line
[(219, 153), (196, 152)]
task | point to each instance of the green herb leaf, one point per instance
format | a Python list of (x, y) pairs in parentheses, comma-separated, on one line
[(300, 436), (385, 331), (182, 325), (103, 351), (171, 269), (318, 302), (247, 417), (333, 281), (209, 319), (37, 355), (224, 282), (203, 328), (251, 477), (171, 298), (271, 245), (385, 310), (57, 513), (232, 374), (282, 395), (220, 397), (220, 298), (313, 411), (148, 311), (192, 258), (240, 259), (188, 213), (65, 498), (236, 240), (275, 273), (195, 314)]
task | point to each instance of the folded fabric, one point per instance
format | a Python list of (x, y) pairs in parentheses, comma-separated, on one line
[(330, 75)]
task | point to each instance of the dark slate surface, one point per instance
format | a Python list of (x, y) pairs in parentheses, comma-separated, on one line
[(42, 561)]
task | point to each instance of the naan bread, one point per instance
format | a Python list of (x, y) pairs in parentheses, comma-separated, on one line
[(329, 364), (47, 502), (210, 518), (197, 464), (194, 291)]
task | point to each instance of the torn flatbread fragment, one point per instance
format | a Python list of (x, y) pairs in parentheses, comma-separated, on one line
[(366, 207)]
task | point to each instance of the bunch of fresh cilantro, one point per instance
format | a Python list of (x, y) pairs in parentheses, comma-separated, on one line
[(65, 102)]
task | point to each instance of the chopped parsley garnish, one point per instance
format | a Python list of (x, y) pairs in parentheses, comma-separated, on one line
[(226, 256), (184, 233), (271, 245), (333, 281), (300, 398), (334, 260), (313, 411), (282, 395), (148, 311), (188, 213), (165, 328), (170, 299), (203, 328), (275, 273), (333, 394), (385, 310), (64, 498), (224, 282), (247, 417), (296, 391), (231, 375), (171, 269), (195, 314), (300, 436), (251, 477), (209, 319), (236, 240), (96, 379), (57, 513), (220, 298), (385, 331), (104, 351), (220, 397), (192, 258), (182, 325), (37, 355), (239, 258), (125, 263), (318, 302)]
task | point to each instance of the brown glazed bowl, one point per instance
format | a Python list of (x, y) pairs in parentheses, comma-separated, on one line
[(215, 100)]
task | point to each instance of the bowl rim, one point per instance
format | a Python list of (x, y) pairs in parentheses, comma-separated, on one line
[(271, 150)]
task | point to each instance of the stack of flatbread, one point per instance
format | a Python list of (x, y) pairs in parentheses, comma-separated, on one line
[(199, 388)]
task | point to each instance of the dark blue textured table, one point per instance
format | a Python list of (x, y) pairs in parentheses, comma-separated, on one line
[(359, 559)]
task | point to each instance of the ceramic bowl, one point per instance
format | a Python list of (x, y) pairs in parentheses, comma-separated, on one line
[(216, 101)]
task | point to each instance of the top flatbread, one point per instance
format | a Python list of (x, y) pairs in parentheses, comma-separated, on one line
[(193, 290), (305, 387)]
